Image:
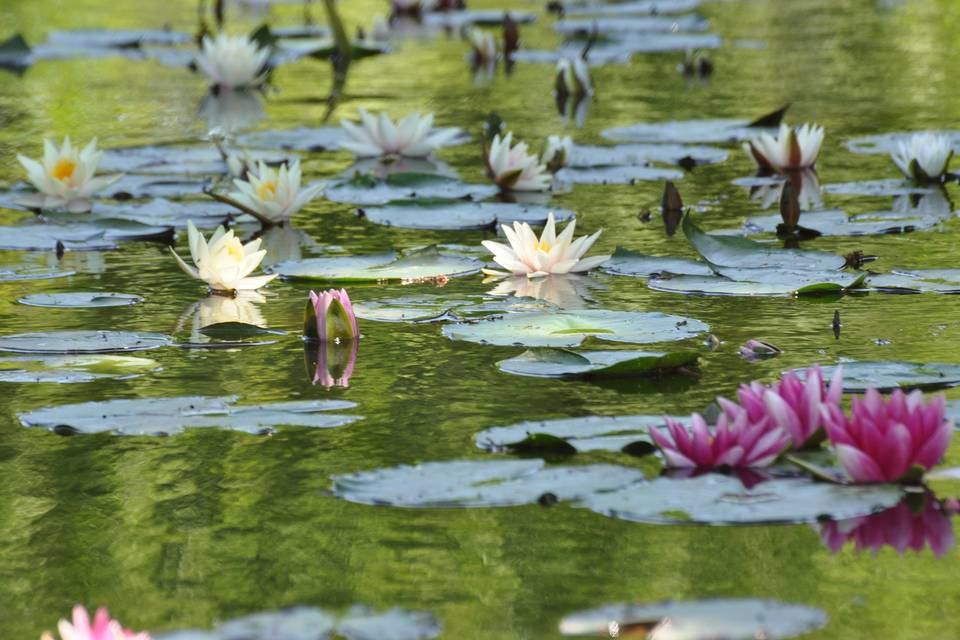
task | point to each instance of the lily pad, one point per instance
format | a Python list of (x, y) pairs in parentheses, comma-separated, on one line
[(834, 222), (730, 619), (174, 159), (887, 143), (722, 500), (135, 186), (43, 237), (425, 264), (879, 188), (479, 483), (685, 131), (631, 7), (72, 369), (70, 342), (588, 433), (628, 174), (311, 139), (717, 286), (561, 363), (765, 282), (456, 215), (641, 154), (80, 300), (632, 24), (237, 331), (457, 20), (425, 308), (204, 214), (917, 281), (168, 416), (570, 328), (118, 38), (630, 263), (887, 375), (368, 190), (32, 273)]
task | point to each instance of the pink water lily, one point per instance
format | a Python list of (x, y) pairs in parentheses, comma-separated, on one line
[(330, 317), (736, 441), (102, 628), (888, 440), (753, 350), (899, 527), (792, 403)]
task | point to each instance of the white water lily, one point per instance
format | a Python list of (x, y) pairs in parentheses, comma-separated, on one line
[(573, 77), (549, 254), (923, 157), (515, 169), (556, 153), (414, 136), (233, 62), (224, 262), (65, 176), (790, 150), (484, 46), (274, 193)]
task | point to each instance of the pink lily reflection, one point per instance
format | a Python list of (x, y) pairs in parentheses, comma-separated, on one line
[(331, 364)]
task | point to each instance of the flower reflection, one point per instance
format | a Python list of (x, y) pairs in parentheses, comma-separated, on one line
[(232, 110), (900, 527), (216, 309), (568, 291), (935, 204), (329, 363), (573, 108), (805, 183), (283, 243)]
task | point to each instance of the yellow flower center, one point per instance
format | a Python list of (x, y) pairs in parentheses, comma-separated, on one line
[(267, 190), (235, 250), (64, 169), (544, 246)]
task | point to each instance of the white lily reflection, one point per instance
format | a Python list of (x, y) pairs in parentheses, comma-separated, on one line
[(283, 243), (935, 204), (574, 109), (330, 364), (567, 291), (383, 167), (232, 111), (216, 309), (806, 183), (484, 72)]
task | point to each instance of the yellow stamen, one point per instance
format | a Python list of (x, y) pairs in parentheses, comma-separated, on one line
[(267, 190), (544, 246), (64, 169), (235, 250)]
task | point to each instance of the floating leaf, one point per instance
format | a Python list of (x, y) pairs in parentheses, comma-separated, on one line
[(632, 24), (879, 188), (589, 433), (834, 222), (887, 375), (168, 416), (888, 143), (658, 7), (133, 186), (72, 369), (204, 214), (684, 131), (118, 38), (80, 300), (762, 282), (367, 190), (627, 174), (172, 159), (722, 500), (457, 20), (42, 237), (717, 286), (730, 619), (641, 154), (560, 363), (630, 263), (237, 331), (423, 308), (917, 281), (381, 267), (310, 139), (32, 273), (570, 328), (479, 483), (68, 342), (458, 215)]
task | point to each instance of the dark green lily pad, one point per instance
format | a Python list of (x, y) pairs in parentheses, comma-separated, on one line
[(729, 619), (641, 154), (237, 331), (571, 328), (77, 342), (887, 375), (917, 281), (380, 267), (878, 188), (684, 131), (588, 433), (834, 222), (631, 25), (80, 300), (168, 416), (887, 143), (714, 499), (73, 369), (457, 215), (627, 174), (561, 363), (368, 190), (631, 263), (479, 483)]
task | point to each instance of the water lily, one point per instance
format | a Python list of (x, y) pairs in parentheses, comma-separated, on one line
[(414, 136), (233, 62), (736, 441), (224, 262), (274, 194), (753, 350), (484, 46), (889, 440), (923, 157), (549, 254), (65, 176), (330, 317), (102, 628), (791, 150), (573, 78), (792, 403), (556, 153), (515, 169)]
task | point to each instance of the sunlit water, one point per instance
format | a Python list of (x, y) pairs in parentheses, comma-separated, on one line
[(188, 530)]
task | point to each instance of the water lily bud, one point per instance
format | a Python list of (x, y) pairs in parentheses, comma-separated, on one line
[(556, 153), (329, 317)]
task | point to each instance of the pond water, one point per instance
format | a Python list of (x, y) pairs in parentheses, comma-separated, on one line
[(209, 524)]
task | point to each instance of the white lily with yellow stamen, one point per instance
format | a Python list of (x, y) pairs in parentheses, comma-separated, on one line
[(233, 62), (413, 137), (65, 176), (515, 168), (275, 194), (549, 254), (923, 157), (484, 46), (556, 153), (791, 150), (223, 262), (573, 78)]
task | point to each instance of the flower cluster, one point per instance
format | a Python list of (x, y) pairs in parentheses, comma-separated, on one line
[(102, 628)]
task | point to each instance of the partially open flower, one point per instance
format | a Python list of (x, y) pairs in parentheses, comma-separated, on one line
[(233, 62), (275, 194), (484, 46), (549, 254), (754, 350), (556, 153), (224, 262), (414, 136), (515, 169), (573, 78), (889, 440), (65, 176), (791, 150), (329, 317), (923, 157), (102, 628)]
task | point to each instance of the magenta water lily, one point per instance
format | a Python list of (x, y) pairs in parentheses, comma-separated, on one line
[(329, 317), (103, 627)]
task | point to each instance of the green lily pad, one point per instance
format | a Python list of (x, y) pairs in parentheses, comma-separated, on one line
[(237, 331), (570, 328), (887, 375), (730, 619), (588, 433), (205, 214), (457, 215), (425, 308), (626, 174), (631, 263), (720, 286), (79, 342), (879, 188), (73, 369), (632, 24), (722, 500), (917, 281), (136, 186), (177, 159), (32, 273), (561, 363), (479, 483), (44, 237), (684, 131), (118, 38), (381, 267), (642, 154), (368, 190), (80, 300), (168, 416), (652, 7), (834, 222)]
